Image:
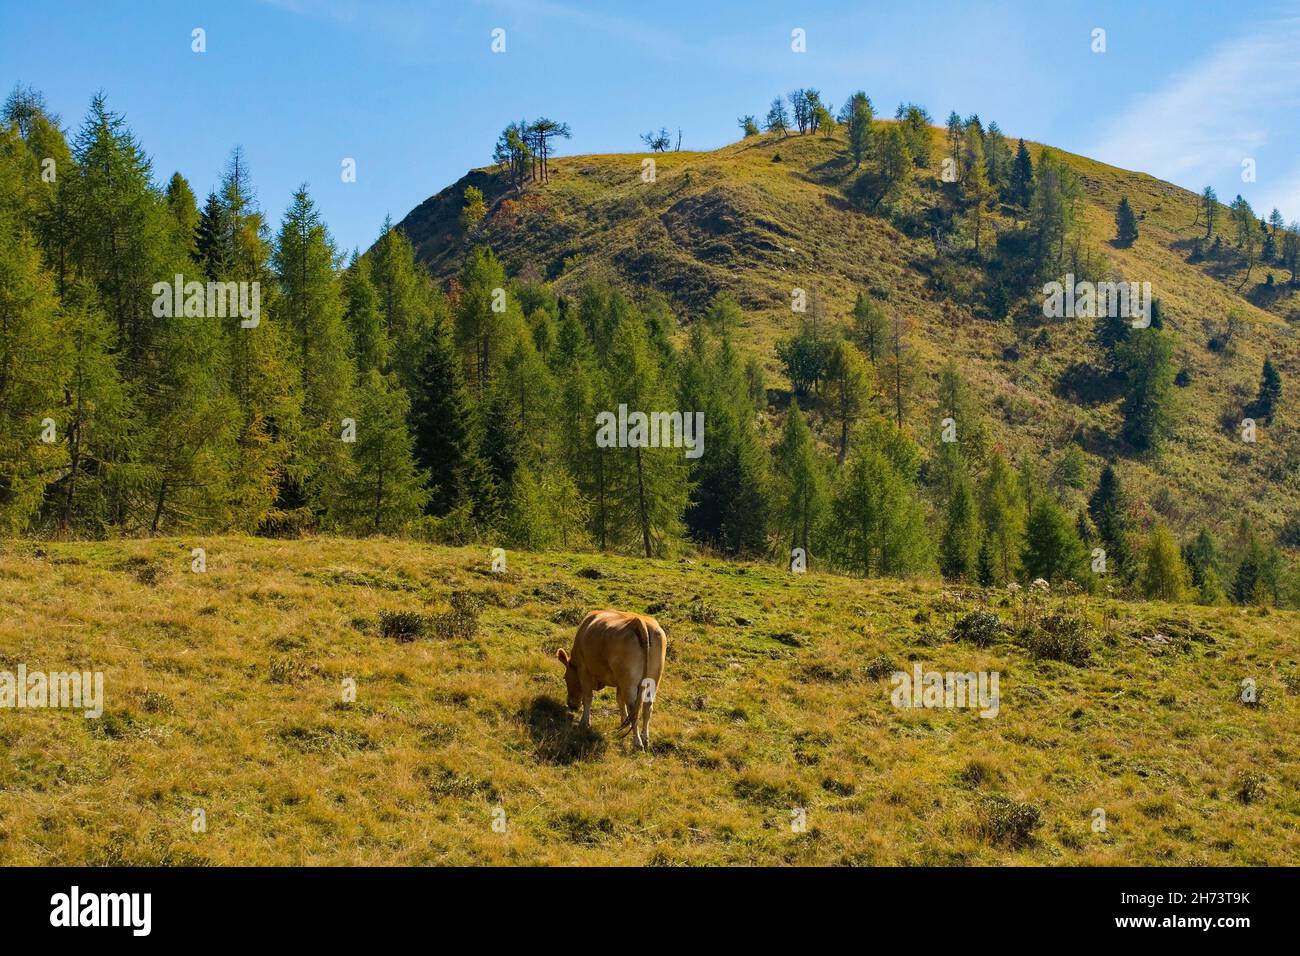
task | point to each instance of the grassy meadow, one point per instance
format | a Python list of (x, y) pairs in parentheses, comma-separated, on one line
[(224, 692)]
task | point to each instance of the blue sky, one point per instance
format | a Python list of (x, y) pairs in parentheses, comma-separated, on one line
[(412, 91)]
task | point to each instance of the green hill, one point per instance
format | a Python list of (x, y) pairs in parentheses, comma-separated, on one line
[(763, 216)]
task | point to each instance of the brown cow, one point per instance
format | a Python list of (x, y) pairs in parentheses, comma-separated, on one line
[(619, 650)]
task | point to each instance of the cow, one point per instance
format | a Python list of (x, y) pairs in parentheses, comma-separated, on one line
[(619, 650)]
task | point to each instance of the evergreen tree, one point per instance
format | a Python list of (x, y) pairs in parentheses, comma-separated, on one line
[(1020, 188), (848, 390), (959, 547), (1126, 227), (729, 484), (998, 158), (311, 310), (442, 420), (405, 296), (870, 330), (1002, 513), (1164, 576), (363, 319), (1053, 550), (1109, 509), (801, 493), (1270, 392), (381, 490), (1146, 361), (857, 119)]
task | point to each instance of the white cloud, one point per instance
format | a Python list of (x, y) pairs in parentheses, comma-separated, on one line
[(1236, 103)]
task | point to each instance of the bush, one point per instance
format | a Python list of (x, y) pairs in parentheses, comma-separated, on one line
[(403, 626), (1249, 787), (878, 668), (978, 627), (1059, 637), (462, 620), (1006, 823)]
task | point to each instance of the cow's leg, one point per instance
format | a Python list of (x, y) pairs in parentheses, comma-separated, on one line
[(585, 723), (622, 697), (630, 695), (646, 706)]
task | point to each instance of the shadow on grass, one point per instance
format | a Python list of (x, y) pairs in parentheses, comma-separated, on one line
[(556, 733)]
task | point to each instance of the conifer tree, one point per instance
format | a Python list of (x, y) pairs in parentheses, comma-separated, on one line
[(311, 310), (1108, 508), (800, 479), (847, 392), (1126, 227), (1164, 576), (93, 416), (184, 209), (33, 361), (1020, 189), (442, 420), (1053, 550), (381, 490), (1270, 392), (959, 546), (878, 520), (365, 324), (728, 507), (650, 486), (870, 330), (405, 300), (1146, 361), (857, 119), (1002, 513)]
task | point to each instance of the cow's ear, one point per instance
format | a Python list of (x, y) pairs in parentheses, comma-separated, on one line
[(563, 655)]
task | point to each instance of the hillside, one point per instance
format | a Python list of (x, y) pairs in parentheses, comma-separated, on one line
[(223, 694), (766, 215)]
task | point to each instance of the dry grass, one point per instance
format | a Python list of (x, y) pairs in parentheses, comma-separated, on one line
[(223, 693)]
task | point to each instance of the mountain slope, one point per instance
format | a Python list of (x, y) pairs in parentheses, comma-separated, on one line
[(766, 215)]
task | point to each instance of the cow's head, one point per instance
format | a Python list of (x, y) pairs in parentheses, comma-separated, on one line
[(570, 679)]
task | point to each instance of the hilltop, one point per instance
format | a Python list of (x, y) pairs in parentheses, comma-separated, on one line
[(768, 214), (223, 693)]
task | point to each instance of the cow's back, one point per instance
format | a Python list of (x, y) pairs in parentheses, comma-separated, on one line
[(608, 647)]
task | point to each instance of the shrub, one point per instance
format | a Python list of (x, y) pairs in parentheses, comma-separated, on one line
[(403, 626), (462, 620), (1007, 823), (1249, 787), (878, 668), (1062, 637), (978, 627)]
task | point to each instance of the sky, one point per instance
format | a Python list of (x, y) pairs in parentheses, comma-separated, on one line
[(414, 94)]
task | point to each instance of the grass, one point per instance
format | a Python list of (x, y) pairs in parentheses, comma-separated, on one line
[(224, 693)]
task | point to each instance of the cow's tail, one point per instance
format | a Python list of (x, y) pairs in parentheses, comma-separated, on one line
[(634, 710)]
